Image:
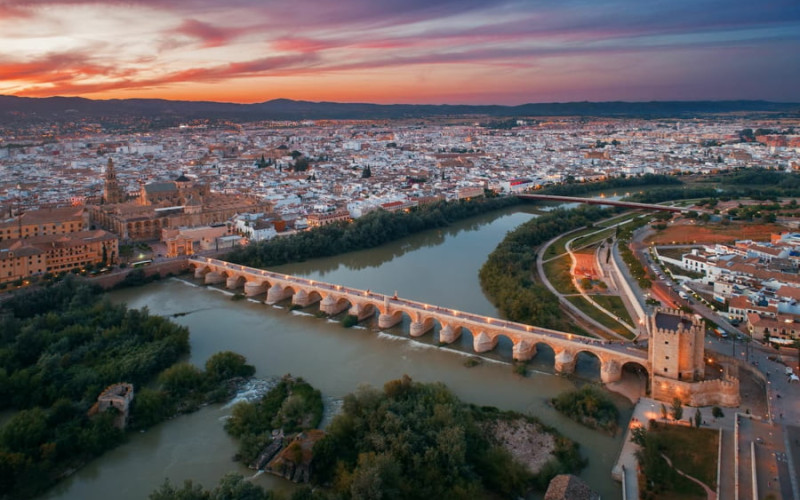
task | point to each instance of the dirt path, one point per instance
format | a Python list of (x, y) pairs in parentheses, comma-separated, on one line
[(712, 495)]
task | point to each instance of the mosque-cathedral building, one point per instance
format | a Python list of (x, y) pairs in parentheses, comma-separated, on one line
[(166, 205)]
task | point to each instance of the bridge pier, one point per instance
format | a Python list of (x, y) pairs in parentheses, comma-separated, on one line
[(277, 293), (449, 334), (388, 320), (483, 342), (331, 306), (362, 311), (610, 371), (213, 277), (565, 362), (200, 271), (253, 288), (419, 328), (524, 350), (234, 282), (303, 299)]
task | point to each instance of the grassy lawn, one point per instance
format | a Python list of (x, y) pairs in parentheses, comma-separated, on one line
[(694, 451), (674, 253), (558, 245), (557, 272), (675, 270), (682, 489), (615, 305), (585, 241), (599, 316)]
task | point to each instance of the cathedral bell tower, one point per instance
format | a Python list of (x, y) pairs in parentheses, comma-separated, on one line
[(112, 193)]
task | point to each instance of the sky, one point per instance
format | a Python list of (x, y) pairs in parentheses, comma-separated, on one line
[(402, 51)]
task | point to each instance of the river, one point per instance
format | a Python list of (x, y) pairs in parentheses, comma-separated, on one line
[(439, 267)]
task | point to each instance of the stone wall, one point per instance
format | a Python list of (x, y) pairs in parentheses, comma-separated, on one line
[(161, 268), (717, 392), (118, 396)]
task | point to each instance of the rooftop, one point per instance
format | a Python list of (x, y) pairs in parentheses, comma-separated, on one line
[(672, 322)]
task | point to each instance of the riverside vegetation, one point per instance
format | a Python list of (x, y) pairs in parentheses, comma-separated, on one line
[(369, 231), (416, 440), (291, 407), (60, 346), (589, 406), (410, 440), (506, 277)]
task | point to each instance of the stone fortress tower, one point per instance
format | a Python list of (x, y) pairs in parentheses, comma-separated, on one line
[(677, 360), (676, 346)]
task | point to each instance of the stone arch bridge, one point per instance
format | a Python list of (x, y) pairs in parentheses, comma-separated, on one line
[(486, 331)]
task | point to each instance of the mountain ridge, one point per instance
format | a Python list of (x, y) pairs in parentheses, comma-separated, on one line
[(288, 109)]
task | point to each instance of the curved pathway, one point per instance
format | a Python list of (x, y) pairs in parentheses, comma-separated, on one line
[(709, 492), (576, 282), (560, 296)]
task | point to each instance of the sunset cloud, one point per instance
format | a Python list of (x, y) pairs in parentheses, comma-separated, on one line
[(210, 36), (415, 50)]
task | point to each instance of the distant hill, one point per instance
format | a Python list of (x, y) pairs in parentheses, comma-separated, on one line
[(70, 108)]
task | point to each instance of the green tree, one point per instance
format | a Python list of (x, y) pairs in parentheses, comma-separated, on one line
[(150, 407), (233, 486), (663, 411), (301, 164), (698, 418), (182, 379), (676, 410), (227, 365), (717, 412), (189, 491)]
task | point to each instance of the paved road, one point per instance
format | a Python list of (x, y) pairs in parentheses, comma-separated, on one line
[(727, 465), (745, 459)]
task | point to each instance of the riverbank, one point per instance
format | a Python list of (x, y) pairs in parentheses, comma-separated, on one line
[(437, 266)]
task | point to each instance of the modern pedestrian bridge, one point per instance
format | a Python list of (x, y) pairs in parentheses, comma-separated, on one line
[(604, 201), (364, 304)]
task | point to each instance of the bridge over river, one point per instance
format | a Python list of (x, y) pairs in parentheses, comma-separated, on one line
[(391, 309), (604, 201)]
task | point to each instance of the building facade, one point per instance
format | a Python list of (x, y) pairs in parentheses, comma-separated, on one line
[(43, 222), (55, 253)]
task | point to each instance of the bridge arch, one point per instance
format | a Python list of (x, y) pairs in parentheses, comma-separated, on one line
[(544, 353), (636, 373), (235, 280), (505, 344), (304, 296), (334, 303), (588, 364), (363, 309)]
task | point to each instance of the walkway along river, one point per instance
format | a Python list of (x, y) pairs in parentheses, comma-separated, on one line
[(438, 267)]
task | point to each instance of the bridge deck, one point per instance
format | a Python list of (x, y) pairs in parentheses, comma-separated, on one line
[(601, 201), (473, 321)]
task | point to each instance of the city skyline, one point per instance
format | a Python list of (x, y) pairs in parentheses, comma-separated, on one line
[(444, 52)]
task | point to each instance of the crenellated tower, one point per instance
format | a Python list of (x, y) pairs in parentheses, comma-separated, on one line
[(676, 345)]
